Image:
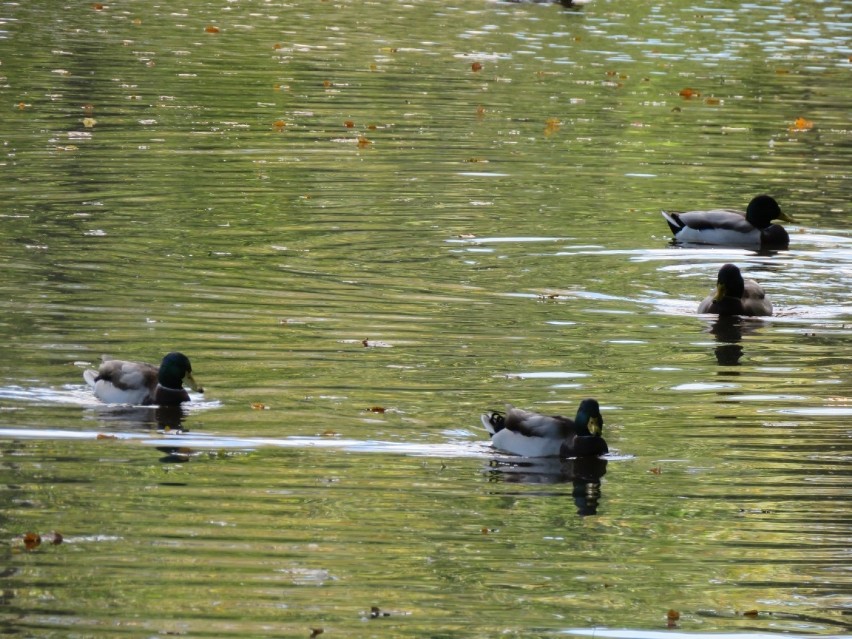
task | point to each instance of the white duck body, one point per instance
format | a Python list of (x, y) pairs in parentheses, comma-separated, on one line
[(134, 382), (529, 434), (718, 226)]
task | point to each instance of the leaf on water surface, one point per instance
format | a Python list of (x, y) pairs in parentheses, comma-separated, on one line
[(480, 111), (363, 142), (688, 94), (211, 28), (801, 124), (369, 343), (259, 406), (672, 615), (316, 632), (657, 470), (750, 613), (98, 6), (105, 436), (376, 409), (32, 540), (279, 124), (348, 123), (552, 125), (476, 67), (712, 101)]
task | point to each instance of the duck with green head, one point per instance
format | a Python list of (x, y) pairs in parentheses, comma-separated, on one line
[(529, 434), (727, 227), (121, 382), (735, 295)]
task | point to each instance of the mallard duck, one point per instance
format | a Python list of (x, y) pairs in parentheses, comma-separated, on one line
[(732, 228), (529, 434), (121, 382), (735, 296)]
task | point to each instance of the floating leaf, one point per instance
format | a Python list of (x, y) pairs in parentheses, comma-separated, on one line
[(105, 436), (363, 142), (330, 433), (327, 84), (259, 406), (210, 28), (476, 67), (551, 126), (480, 111), (348, 124), (672, 615), (657, 470), (750, 613), (316, 632), (377, 409), (97, 6), (688, 94), (279, 124), (802, 124), (277, 46), (32, 540)]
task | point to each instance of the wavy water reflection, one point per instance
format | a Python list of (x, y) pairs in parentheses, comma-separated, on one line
[(366, 223)]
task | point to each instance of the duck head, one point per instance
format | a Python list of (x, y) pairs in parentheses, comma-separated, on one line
[(589, 420), (175, 371), (763, 209)]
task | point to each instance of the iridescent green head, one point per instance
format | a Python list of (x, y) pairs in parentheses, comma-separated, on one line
[(175, 371)]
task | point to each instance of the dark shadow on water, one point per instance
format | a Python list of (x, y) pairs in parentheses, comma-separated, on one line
[(583, 472), (729, 332)]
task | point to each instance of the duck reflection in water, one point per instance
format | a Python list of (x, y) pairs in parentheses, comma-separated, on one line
[(584, 473), (729, 331)]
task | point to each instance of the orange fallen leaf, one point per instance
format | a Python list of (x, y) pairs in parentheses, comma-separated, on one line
[(279, 124), (480, 111), (712, 101), (259, 406), (105, 436), (551, 126), (657, 470), (327, 84), (363, 142), (672, 615), (32, 540), (476, 67), (276, 46), (802, 124), (750, 613), (377, 409), (97, 6), (210, 28), (330, 433), (348, 124), (372, 127), (688, 94), (22, 106)]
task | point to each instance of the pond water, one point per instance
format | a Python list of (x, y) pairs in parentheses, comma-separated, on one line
[(367, 223)]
